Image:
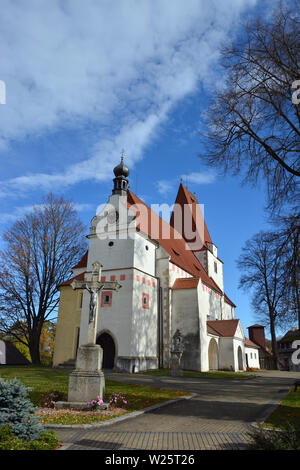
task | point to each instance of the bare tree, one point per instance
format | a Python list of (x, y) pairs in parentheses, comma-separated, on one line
[(261, 266), (286, 237), (252, 125), (40, 251)]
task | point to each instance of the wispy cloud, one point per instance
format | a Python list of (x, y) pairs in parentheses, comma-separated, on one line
[(166, 186), (122, 65), (21, 211), (204, 177)]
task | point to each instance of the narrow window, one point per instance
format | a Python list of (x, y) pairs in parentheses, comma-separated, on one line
[(106, 299), (145, 300), (216, 267)]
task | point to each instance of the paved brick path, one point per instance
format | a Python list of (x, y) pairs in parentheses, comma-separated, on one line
[(110, 440), (217, 417)]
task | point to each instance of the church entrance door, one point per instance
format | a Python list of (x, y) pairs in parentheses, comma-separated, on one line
[(109, 350)]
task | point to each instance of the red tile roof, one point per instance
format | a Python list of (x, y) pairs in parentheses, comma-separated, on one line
[(250, 344), (83, 262), (79, 277), (228, 301), (186, 199), (185, 283), (158, 229), (225, 328)]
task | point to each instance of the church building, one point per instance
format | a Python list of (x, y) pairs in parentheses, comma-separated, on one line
[(171, 279)]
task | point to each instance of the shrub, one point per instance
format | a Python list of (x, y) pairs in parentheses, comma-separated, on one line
[(270, 439), (18, 411), (9, 441)]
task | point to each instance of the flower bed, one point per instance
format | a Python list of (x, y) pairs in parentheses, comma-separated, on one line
[(85, 416)]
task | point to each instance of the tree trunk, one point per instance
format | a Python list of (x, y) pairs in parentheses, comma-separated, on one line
[(34, 347), (274, 341)]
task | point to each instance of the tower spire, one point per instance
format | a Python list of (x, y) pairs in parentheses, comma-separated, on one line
[(121, 172)]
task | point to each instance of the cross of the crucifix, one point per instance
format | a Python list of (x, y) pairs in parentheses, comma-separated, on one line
[(94, 286)]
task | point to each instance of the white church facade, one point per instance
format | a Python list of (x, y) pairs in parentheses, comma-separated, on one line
[(168, 281)]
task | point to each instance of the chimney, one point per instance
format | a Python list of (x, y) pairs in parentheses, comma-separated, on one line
[(257, 335)]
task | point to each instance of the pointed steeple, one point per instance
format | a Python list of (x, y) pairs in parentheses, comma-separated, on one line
[(188, 201)]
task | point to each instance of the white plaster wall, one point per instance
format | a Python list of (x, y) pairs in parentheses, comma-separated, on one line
[(236, 344), (209, 303), (185, 317), (116, 318), (144, 333), (254, 360), (229, 312), (133, 327), (213, 248), (120, 255), (175, 272), (226, 354), (126, 253), (203, 303), (144, 254), (163, 273), (216, 276)]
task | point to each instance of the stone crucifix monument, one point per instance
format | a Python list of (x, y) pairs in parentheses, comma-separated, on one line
[(176, 354), (87, 381)]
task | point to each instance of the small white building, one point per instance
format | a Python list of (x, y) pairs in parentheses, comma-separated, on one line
[(170, 280), (252, 354)]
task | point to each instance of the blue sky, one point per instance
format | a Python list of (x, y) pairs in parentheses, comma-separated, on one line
[(86, 79)]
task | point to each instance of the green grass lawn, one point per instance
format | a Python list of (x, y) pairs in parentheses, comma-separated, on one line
[(288, 412), (44, 381), (218, 374)]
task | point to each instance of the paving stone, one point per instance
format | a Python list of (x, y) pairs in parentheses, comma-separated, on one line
[(218, 417), (156, 440)]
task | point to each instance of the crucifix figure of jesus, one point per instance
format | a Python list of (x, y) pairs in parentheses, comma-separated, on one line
[(94, 286)]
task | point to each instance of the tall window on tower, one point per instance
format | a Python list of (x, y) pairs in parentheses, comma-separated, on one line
[(216, 267)]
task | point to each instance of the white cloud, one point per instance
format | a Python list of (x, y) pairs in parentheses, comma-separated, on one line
[(205, 177), (21, 211), (122, 65), (164, 187)]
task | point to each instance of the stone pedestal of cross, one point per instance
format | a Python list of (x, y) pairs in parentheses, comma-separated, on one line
[(87, 381)]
